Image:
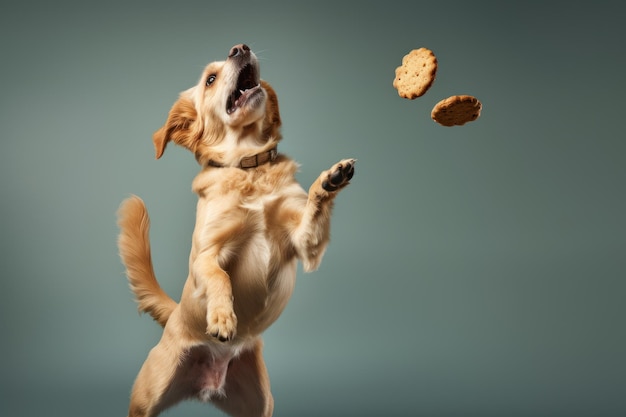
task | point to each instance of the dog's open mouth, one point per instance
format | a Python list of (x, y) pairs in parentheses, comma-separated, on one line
[(247, 85)]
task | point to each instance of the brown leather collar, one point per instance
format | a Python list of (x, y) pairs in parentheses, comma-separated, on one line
[(251, 161)]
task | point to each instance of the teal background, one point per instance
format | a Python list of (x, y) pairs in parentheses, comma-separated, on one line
[(473, 271)]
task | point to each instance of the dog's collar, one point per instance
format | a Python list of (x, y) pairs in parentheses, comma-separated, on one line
[(251, 161)]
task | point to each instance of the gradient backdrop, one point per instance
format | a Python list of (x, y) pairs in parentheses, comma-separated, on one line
[(473, 271)]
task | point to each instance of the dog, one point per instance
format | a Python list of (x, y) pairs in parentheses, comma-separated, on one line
[(253, 223)]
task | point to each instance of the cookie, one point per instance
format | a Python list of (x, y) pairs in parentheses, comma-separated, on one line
[(456, 110), (416, 74)]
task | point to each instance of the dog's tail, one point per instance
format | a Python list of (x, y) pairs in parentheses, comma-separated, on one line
[(134, 247)]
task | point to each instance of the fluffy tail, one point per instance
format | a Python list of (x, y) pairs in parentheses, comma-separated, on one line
[(134, 247)]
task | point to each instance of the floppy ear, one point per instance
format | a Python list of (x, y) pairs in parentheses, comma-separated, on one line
[(272, 121), (181, 126)]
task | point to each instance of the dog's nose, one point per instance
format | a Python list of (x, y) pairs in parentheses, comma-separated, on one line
[(237, 50)]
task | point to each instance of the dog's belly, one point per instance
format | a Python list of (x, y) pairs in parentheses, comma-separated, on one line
[(210, 378), (202, 372), (263, 281), (256, 253)]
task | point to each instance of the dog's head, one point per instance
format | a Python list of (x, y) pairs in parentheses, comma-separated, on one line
[(229, 108)]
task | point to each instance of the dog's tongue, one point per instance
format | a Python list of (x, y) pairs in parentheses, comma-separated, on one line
[(241, 100), (242, 97)]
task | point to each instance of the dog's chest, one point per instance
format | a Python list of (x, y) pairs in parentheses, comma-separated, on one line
[(252, 247)]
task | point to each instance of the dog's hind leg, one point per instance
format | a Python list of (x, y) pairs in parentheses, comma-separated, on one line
[(247, 387), (162, 381), (155, 388)]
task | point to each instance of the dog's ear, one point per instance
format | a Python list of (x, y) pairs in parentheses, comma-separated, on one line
[(182, 126), (272, 121)]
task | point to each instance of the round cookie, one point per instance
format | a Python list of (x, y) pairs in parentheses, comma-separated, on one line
[(456, 110), (416, 74)]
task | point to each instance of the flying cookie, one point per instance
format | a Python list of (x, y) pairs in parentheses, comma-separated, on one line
[(416, 74), (456, 110)]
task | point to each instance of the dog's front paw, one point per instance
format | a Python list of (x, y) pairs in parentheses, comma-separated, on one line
[(339, 175), (221, 323)]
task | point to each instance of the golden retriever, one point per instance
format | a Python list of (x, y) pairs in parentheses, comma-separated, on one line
[(253, 222)]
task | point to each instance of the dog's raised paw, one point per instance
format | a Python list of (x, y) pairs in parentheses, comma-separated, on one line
[(339, 175), (222, 324)]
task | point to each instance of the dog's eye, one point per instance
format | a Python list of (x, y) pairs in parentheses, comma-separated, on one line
[(210, 79)]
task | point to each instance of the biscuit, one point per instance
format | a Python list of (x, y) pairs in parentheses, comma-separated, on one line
[(416, 74), (456, 110)]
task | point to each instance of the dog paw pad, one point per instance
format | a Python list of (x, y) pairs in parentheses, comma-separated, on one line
[(339, 175)]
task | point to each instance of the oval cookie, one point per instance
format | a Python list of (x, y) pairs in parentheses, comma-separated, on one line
[(416, 74), (456, 110)]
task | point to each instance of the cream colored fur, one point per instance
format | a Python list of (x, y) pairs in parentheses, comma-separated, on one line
[(252, 226)]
